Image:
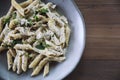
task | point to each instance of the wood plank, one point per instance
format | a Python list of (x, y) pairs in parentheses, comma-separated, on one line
[(103, 31), (97, 1), (101, 58), (102, 53), (107, 14), (103, 42), (100, 13), (96, 70), (105, 36)]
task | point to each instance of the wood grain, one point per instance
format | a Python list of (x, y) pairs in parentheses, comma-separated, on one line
[(96, 70), (101, 58)]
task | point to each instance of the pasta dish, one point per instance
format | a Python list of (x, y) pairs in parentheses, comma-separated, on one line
[(34, 34)]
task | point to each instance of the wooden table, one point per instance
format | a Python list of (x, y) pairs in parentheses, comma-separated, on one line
[(101, 58)]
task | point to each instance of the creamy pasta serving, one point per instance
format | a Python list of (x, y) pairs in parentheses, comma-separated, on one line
[(34, 34)]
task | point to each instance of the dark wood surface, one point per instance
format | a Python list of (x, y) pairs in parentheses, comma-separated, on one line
[(101, 58)]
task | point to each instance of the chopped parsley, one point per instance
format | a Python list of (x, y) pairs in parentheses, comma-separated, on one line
[(18, 41), (14, 15), (42, 46), (6, 20), (43, 11), (30, 23), (36, 18)]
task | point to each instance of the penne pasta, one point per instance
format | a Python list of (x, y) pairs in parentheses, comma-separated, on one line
[(33, 4), (35, 62), (2, 35), (18, 7), (13, 23), (54, 53), (67, 35), (14, 67), (12, 52), (39, 67), (9, 60), (26, 3), (2, 23), (58, 59), (46, 70), (24, 62), (62, 33), (19, 65), (23, 46)]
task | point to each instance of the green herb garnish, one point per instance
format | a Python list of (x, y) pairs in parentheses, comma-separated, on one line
[(6, 20), (36, 18), (14, 15), (43, 11), (42, 46), (30, 23), (18, 41)]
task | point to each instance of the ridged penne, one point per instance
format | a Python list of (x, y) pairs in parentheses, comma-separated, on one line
[(46, 69), (2, 23), (62, 33), (14, 67), (58, 59), (9, 60), (23, 46), (18, 7), (67, 35), (35, 62), (24, 62), (19, 64), (33, 4), (2, 35), (39, 67), (12, 52), (26, 3)]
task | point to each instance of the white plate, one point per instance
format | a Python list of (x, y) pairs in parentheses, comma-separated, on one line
[(76, 45)]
